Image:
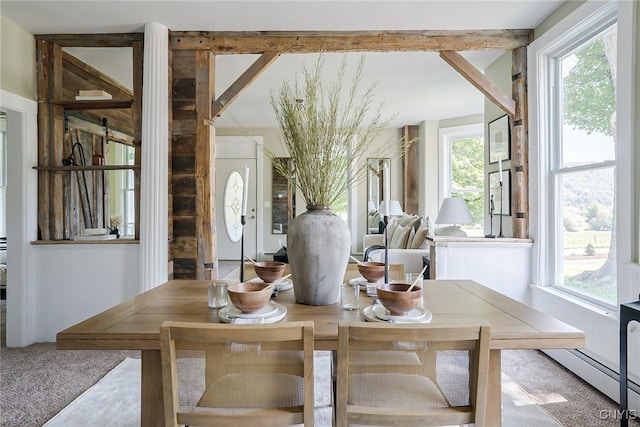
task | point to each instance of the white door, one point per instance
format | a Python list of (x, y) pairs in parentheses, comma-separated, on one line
[(229, 185)]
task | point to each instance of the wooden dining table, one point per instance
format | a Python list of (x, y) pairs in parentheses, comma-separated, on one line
[(134, 325)]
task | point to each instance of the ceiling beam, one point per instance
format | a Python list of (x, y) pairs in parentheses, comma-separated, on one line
[(254, 42), (242, 82), (480, 81)]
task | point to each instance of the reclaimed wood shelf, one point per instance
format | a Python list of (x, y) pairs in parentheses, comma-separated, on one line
[(98, 104), (87, 168)]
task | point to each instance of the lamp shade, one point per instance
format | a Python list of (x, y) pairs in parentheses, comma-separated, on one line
[(394, 208), (454, 210)]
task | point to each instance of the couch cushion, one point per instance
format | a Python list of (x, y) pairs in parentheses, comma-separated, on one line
[(420, 238), (399, 237)]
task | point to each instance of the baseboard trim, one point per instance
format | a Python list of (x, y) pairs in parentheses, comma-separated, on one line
[(595, 373)]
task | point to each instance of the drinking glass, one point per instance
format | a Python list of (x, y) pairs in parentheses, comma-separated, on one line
[(350, 296), (218, 296)]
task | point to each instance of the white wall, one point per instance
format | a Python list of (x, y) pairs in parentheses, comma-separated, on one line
[(18, 64), (498, 72), (76, 281)]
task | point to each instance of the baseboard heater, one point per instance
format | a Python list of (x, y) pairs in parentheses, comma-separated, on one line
[(612, 387)]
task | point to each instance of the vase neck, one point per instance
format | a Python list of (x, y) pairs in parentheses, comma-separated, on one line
[(319, 208)]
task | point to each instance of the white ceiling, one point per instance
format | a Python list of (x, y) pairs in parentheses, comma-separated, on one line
[(415, 86)]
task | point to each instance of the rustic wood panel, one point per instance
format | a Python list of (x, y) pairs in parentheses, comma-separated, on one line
[(92, 40), (45, 117), (340, 41), (183, 64), (183, 163), (184, 225), (183, 205), (183, 184), (183, 268), (411, 170), (185, 247), (519, 145), (205, 168), (183, 144), (56, 150)]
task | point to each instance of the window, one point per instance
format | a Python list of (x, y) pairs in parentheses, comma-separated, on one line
[(462, 170), (580, 85), (122, 197)]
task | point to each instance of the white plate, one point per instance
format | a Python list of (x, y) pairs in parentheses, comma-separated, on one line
[(285, 285), (415, 315), (278, 315), (370, 316), (270, 308)]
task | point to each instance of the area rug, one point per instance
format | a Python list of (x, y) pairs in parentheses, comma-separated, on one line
[(115, 401)]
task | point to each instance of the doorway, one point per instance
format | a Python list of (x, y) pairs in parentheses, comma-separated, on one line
[(233, 154)]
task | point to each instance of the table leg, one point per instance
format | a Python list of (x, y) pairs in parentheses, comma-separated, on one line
[(494, 389), (151, 401)]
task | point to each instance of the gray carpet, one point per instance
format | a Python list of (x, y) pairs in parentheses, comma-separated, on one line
[(38, 381)]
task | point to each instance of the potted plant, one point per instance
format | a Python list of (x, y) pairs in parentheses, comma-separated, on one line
[(327, 129)]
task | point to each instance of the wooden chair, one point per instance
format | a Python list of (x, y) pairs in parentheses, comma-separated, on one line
[(448, 386), (237, 375)]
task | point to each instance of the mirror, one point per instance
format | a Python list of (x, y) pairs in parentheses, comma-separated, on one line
[(283, 204), (375, 190)]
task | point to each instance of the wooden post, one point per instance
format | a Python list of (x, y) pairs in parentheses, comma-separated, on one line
[(519, 145), (410, 170)]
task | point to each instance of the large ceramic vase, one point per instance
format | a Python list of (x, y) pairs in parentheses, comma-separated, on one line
[(318, 245)]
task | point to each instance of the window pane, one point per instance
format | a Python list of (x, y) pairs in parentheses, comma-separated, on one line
[(467, 179), (588, 101), (586, 261)]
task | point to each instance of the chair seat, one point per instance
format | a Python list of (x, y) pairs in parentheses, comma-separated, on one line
[(395, 390), (265, 391)]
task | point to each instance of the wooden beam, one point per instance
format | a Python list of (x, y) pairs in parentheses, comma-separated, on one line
[(519, 145), (92, 40), (242, 42), (242, 82), (410, 170), (480, 81)]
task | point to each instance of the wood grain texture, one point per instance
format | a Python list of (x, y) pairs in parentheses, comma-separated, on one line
[(520, 145), (136, 324), (411, 170), (258, 42), (92, 40)]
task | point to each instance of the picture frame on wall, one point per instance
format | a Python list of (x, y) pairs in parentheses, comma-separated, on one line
[(494, 189), (499, 139)]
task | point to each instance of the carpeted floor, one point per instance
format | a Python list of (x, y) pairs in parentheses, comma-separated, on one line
[(37, 381)]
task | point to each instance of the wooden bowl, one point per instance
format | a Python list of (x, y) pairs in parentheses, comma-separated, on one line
[(372, 271), (249, 297), (395, 298), (269, 271)]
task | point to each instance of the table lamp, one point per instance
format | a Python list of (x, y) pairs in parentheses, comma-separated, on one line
[(454, 211)]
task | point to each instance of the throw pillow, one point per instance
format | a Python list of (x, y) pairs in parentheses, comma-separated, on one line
[(400, 236), (420, 238), (391, 227), (412, 233)]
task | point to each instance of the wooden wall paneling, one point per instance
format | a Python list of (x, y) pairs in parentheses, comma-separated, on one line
[(183, 152), (56, 148), (45, 112), (410, 170), (519, 145), (205, 169)]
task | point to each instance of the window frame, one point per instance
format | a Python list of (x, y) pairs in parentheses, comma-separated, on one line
[(446, 136), (590, 18)]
